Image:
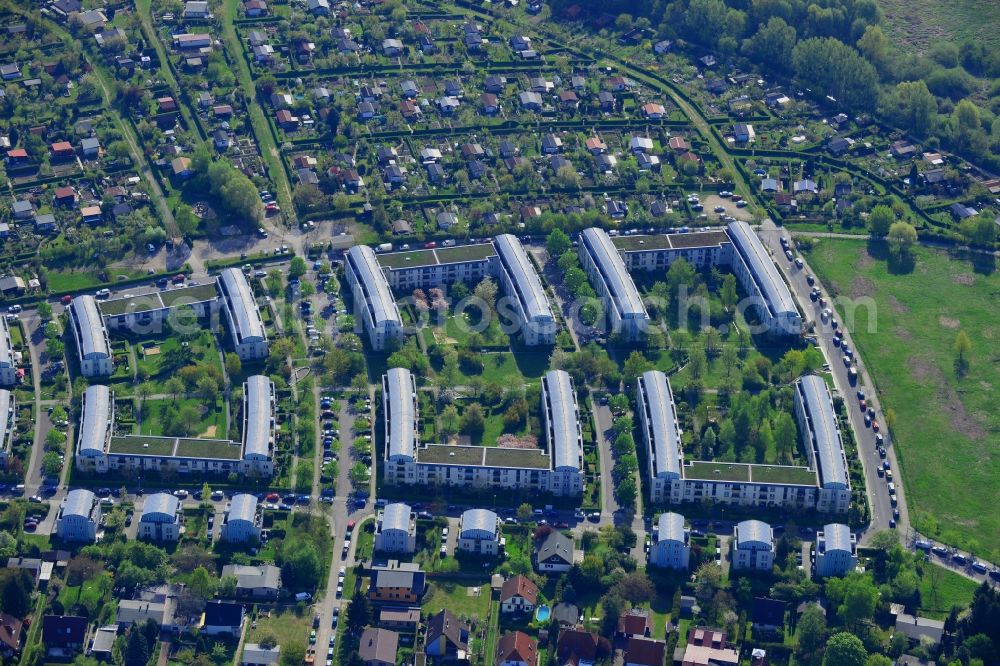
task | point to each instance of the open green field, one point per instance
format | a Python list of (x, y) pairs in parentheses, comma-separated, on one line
[(915, 25), (946, 427)]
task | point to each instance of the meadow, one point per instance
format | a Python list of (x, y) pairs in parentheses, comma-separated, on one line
[(946, 424)]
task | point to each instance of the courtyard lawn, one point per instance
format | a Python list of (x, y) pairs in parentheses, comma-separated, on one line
[(455, 597), (945, 427), (155, 357), (88, 595), (211, 423)]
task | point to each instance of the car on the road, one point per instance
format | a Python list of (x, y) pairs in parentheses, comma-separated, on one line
[(719, 209), (66, 299), (922, 544), (312, 637), (810, 280), (995, 574), (875, 426), (798, 262), (789, 255), (879, 439), (880, 472), (813, 296), (861, 395), (847, 361), (784, 242), (444, 550), (959, 558), (862, 405), (594, 516), (340, 591), (885, 465), (979, 567), (181, 494), (868, 421), (892, 523), (940, 551), (881, 452)]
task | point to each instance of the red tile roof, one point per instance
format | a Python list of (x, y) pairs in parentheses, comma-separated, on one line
[(519, 586)]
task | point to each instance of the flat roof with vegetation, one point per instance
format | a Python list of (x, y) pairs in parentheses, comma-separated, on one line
[(217, 449), (698, 239), (531, 458), (717, 471), (641, 243), (157, 300), (433, 257), (451, 455), (704, 470)]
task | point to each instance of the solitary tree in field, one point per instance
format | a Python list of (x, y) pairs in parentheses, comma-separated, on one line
[(963, 347), (879, 220), (902, 237)]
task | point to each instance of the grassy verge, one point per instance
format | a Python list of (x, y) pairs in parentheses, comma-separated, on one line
[(945, 424)]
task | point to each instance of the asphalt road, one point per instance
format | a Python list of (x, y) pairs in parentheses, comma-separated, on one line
[(878, 494)]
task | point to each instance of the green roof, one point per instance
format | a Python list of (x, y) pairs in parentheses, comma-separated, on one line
[(407, 259), (641, 243), (699, 239), (209, 448), (145, 446), (717, 471), (441, 255), (800, 476), (532, 458), (120, 306), (451, 455), (451, 255), (196, 294)]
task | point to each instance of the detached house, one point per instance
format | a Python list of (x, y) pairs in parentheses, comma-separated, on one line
[(447, 637), (554, 554), (516, 648), (518, 594)]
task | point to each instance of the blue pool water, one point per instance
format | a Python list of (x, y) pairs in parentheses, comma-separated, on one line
[(542, 614)]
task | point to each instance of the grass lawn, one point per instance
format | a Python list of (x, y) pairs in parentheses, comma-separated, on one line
[(286, 626), (946, 427), (455, 597), (211, 422), (940, 589), (201, 350), (88, 594), (915, 25)]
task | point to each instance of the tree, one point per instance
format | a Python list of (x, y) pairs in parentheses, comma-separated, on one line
[(829, 65), (51, 464), (202, 583), (785, 436), (728, 294), (359, 474), (44, 310), (963, 348), (136, 651), (880, 220), (557, 243), (772, 44), (875, 46), (902, 237), (486, 291), (912, 106), (878, 660), (524, 512), (626, 492), (234, 366), (359, 611), (979, 230), (297, 268), (473, 420), (811, 631), (845, 649)]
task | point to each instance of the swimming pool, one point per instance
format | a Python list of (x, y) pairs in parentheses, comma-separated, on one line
[(542, 614)]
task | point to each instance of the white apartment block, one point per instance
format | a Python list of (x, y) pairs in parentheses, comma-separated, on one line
[(753, 546), (93, 349), (836, 550), (672, 548), (396, 529), (603, 264)]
